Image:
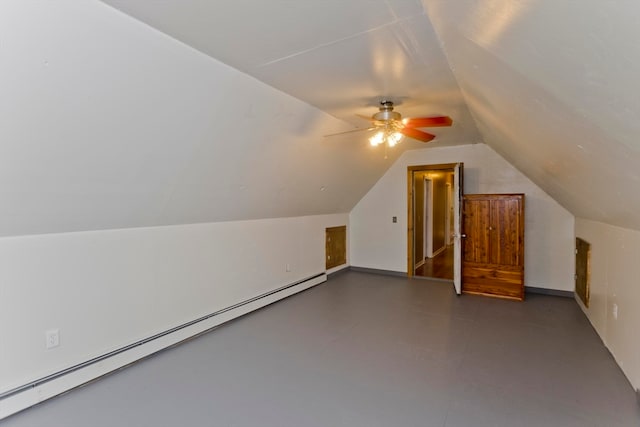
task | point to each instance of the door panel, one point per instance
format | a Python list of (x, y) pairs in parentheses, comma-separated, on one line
[(505, 226), (336, 246), (583, 270), (476, 224), (494, 281)]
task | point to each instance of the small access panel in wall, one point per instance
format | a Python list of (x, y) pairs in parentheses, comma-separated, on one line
[(583, 270), (336, 246)]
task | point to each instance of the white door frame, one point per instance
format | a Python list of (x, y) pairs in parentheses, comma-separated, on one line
[(457, 228), (428, 218)]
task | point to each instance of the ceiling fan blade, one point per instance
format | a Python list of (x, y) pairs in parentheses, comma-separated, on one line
[(348, 131), (417, 134), (422, 122)]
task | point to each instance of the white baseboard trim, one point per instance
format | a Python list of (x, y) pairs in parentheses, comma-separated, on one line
[(33, 393)]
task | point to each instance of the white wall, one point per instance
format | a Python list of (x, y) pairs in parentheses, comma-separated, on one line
[(108, 124), (376, 242), (106, 289), (539, 81), (614, 280)]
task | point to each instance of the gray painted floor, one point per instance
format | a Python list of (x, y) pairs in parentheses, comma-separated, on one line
[(369, 350)]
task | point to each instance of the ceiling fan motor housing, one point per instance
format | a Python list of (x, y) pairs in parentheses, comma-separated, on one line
[(386, 112)]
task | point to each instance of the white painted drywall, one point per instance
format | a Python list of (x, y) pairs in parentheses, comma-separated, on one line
[(614, 280), (106, 289), (374, 49), (376, 242), (107, 123), (551, 86)]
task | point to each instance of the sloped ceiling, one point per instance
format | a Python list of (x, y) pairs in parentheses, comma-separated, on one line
[(129, 113), (343, 57), (553, 88), (550, 85), (110, 123)]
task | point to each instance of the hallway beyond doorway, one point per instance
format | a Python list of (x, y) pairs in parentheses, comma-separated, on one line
[(438, 267)]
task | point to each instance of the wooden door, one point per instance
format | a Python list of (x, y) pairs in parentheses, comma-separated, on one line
[(336, 246), (493, 250), (583, 270)]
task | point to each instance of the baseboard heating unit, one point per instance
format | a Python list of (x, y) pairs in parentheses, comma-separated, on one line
[(20, 398)]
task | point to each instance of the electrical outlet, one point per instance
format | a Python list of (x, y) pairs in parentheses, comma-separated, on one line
[(615, 311), (288, 268), (52, 337)]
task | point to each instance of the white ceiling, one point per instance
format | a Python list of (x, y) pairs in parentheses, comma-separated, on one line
[(553, 87), (342, 57), (108, 124), (550, 85), (128, 113)]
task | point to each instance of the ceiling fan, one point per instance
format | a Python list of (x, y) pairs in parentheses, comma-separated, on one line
[(392, 127)]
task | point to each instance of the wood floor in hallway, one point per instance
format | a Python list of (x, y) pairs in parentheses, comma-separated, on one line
[(438, 267), (369, 350)]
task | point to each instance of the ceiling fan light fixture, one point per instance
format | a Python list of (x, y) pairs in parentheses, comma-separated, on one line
[(385, 137), (394, 138), (377, 139)]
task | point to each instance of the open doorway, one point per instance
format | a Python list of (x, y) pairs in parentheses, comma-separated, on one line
[(432, 216)]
